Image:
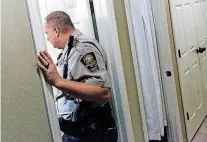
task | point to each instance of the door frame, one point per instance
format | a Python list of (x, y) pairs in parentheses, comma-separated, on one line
[(136, 68), (176, 131), (40, 44), (119, 83)]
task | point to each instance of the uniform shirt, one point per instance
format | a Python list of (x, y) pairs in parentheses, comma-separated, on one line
[(86, 63)]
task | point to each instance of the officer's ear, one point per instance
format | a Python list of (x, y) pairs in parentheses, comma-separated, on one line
[(57, 31)]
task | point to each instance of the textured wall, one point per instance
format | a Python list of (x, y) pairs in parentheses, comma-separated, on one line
[(128, 70), (24, 116)]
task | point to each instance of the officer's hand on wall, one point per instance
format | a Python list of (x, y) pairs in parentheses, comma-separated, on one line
[(46, 64)]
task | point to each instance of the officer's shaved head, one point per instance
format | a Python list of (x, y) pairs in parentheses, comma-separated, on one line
[(60, 20)]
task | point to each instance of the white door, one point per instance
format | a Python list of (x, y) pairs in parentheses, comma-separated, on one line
[(188, 27), (202, 42)]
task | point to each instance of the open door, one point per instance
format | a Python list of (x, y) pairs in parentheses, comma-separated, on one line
[(188, 26)]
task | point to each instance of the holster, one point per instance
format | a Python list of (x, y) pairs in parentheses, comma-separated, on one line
[(95, 123)]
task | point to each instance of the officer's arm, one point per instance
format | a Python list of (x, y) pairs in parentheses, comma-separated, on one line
[(83, 91), (90, 76), (95, 82)]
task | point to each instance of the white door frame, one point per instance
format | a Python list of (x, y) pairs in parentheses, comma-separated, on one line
[(174, 131), (40, 44), (115, 63), (136, 68)]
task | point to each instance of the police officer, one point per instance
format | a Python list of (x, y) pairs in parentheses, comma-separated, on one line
[(81, 80)]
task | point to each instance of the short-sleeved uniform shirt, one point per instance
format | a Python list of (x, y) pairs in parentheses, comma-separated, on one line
[(86, 63)]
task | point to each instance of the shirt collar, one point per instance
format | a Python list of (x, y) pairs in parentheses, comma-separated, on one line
[(76, 33)]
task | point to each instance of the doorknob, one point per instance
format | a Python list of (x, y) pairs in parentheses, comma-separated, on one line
[(199, 50), (203, 49)]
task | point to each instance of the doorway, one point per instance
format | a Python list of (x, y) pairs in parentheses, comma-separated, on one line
[(92, 17), (189, 27)]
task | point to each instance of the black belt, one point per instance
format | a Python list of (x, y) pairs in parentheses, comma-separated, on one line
[(62, 95), (58, 97)]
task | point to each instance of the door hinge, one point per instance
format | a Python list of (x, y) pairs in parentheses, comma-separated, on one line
[(179, 54), (188, 116)]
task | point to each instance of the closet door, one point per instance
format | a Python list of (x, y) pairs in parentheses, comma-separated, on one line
[(188, 28)]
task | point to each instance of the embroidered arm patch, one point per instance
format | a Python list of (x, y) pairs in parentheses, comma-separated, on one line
[(89, 61)]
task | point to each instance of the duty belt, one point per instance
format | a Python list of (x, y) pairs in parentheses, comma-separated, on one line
[(67, 96)]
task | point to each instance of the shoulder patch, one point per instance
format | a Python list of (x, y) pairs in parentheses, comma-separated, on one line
[(90, 62)]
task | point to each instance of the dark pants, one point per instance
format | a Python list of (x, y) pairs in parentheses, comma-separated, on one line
[(67, 138), (96, 124), (92, 138)]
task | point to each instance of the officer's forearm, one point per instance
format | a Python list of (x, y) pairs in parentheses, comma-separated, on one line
[(83, 91)]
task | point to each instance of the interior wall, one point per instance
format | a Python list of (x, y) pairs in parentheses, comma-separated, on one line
[(24, 115), (127, 61)]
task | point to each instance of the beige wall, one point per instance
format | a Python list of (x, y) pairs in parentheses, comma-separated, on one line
[(24, 117), (128, 69)]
